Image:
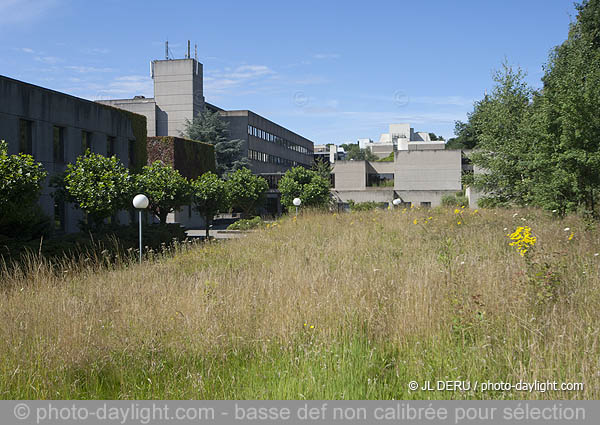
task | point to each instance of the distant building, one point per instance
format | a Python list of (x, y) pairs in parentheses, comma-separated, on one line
[(56, 128), (422, 171), (329, 153), (401, 137)]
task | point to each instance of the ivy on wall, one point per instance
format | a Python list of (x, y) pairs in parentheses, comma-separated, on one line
[(189, 157), (140, 133)]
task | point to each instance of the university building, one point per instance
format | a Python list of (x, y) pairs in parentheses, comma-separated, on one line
[(179, 95), (56, 128)]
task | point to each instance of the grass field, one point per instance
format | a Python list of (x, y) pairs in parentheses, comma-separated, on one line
[(350, 306)]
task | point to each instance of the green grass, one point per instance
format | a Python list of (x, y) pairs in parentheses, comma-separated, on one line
[(351, 306)]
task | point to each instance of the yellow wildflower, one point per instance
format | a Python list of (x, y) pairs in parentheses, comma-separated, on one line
[(571, 236), (415, 221), (522, 239)]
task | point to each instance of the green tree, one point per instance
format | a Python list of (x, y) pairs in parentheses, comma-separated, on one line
[(503, 150), (208, 127), (98, 185), (210, 197), (567, 118), (323, 168), (354, 152), (466, 138), (166, 189), (305, 184), (21, 181), (245, 190)]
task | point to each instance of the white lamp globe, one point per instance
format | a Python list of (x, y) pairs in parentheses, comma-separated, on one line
[(297, 202), (140, 201), (396, 202)]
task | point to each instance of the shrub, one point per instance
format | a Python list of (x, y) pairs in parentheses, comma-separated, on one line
[(166, 189), (20, 184), (245, 190), (456, 200), (246, 224), (98, 185), (305, 184)]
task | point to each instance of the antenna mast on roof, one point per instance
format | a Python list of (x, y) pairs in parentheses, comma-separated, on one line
[(196, 52), (188, 50), (167, 50)]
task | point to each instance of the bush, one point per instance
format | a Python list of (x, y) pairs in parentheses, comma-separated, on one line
[(249, 224), (456, 200), (116, 240), (305, 184), (21, 180), (365, 206)]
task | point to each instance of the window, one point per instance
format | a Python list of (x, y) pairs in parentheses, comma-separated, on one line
[(86, 141), (59, 215), (110, 146), (426, 204), (131, 153), (58, 144), (25, 139)]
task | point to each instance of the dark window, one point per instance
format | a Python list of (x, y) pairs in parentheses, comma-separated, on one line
[(426, 204), (86, 141), (380, 180), (59, 215), (25, 138), (110, 146), (58, 144), (131, 153)]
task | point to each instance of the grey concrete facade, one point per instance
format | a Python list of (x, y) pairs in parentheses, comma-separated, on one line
[(420, 178), (178, 96), (59, 128)]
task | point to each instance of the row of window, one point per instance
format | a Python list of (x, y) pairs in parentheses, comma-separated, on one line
[(58, 142), (271, 159), (265, 135)]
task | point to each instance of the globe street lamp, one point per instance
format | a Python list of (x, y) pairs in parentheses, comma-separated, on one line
[(396, 202), (297, 203), (141, 203)]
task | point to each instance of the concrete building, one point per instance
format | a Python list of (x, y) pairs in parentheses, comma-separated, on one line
[(56, 128), (329, 153), (401, 137), (420, 174), (178, 95), (418, 178)]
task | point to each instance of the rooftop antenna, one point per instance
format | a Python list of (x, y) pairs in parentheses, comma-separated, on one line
[(167, 50), (196, 52), (188, 51)]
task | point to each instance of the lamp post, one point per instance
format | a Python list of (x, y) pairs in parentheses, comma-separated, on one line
[(396, 202), (141, 203), (297, 202)]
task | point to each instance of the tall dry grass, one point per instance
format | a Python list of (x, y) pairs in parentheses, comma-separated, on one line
[(329, 306)]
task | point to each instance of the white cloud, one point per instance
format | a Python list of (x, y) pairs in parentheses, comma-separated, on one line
[(95, 51), (218, 81), (27, 50), (88, 69), (52, 60), (327, 56)]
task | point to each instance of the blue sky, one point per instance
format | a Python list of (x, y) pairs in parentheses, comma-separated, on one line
[(331, 71)]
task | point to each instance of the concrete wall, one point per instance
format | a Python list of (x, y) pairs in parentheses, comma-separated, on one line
[(47, 108), (178, 93), (350, 175), (428, 170), (145, 107)]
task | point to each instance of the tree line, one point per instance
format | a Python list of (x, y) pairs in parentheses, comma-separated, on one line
[(542, 146)]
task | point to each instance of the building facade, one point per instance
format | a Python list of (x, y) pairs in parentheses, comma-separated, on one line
[(56, 128), (179, 96)]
